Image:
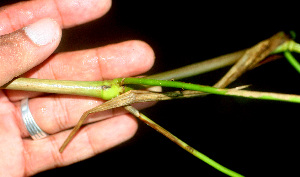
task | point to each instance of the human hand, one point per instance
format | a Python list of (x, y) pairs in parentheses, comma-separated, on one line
[(26, 50)]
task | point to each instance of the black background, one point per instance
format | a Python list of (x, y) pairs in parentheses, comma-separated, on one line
[(252, 137)]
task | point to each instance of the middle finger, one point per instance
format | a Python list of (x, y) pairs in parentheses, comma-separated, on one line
[(116, 60)]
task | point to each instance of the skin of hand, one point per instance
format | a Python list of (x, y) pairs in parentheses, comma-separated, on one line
[(30, 32)]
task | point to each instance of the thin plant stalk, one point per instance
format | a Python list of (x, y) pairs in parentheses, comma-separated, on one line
[(200, 67), (292, 60), (289, 45), (182, 144), (218, 91), (100, 89)]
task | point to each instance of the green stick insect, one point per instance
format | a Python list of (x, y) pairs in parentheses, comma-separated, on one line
[(120, 92)]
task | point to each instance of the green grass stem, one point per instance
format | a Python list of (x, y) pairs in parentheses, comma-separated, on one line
[(292, 60), (212, 90), (107, 89), (290, 45), (182, 144)]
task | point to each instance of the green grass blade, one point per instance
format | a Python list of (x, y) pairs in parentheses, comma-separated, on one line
[(182, 144), (212, 90), (292, 60)]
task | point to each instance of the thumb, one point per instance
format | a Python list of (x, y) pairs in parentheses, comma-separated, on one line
[(25, 48)]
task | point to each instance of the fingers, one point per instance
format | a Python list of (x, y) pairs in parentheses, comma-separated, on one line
[(27, 47), (60, 112), (92, 139), (116, 60), (112, 61), (67, 13)]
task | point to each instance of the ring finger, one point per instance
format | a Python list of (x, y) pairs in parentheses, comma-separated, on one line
[(59, 112)]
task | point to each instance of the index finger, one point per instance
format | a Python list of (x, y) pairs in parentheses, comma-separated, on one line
[(67, 13)]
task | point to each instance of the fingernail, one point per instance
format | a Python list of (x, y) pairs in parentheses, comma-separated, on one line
[(43, 31)]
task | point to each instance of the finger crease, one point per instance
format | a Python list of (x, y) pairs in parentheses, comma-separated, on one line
[(59, 12), (61, 120), (99, 63), (18, 119), (27, 160), (86, 131), (56, 156), (10, 21), (52, 71)]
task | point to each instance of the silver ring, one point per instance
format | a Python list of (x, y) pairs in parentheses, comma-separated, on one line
[(34, 130)]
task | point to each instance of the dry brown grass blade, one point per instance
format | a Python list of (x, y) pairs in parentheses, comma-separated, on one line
[(251, 58)]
